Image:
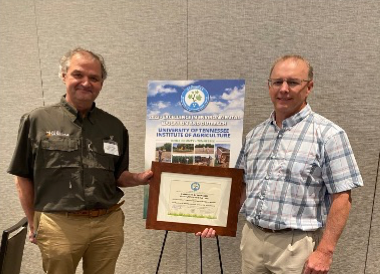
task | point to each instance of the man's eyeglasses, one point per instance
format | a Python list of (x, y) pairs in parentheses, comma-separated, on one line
[(292, 83)]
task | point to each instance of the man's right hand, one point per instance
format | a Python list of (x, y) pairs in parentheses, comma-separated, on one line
[(32, 237)]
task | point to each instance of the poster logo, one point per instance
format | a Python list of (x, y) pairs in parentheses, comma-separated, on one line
[(195, 98)]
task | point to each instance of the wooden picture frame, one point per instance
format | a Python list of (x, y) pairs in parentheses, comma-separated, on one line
[(190, 198)]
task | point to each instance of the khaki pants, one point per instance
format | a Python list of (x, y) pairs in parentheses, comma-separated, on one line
[(65, 240), (280, 252)]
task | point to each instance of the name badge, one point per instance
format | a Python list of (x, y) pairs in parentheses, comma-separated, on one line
[(110, 147)]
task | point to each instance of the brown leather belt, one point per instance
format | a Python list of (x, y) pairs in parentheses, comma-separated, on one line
[(94, 212), (267, 230)]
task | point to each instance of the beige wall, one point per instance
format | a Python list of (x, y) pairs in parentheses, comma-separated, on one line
[(177, 39)]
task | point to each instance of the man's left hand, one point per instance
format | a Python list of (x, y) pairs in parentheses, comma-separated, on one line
[(207, 233), (318, 263)]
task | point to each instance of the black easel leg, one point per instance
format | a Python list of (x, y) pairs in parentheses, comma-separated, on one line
[(200, 251), (162, 252), (220, 256)]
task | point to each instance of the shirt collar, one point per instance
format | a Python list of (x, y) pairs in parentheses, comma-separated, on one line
[(75, 113), (292, 120)]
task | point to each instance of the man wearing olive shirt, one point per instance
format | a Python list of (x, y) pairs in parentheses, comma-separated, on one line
[(70, 161)]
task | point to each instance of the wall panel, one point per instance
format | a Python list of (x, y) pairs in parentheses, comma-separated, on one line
[(373, 264), (20, 90)]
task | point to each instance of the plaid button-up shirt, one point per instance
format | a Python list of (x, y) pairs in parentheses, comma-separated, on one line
[(291, 172)]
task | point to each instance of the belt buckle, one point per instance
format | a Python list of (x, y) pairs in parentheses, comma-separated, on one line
[(94, 213), (267, 230)]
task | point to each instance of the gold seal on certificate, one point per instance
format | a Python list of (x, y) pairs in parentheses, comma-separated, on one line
[(188, 198)]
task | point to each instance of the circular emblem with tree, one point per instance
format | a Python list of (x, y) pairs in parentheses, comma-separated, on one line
[(195, 98)]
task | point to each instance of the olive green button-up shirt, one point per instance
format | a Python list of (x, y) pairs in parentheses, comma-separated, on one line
[(72, 161)]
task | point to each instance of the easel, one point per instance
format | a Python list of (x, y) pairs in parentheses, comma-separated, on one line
[(200, 252)]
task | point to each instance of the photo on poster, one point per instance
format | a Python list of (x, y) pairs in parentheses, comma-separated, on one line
[(204, 160), (183, 159), (204, 149), (163, 152), (183, 148), (222, 155)]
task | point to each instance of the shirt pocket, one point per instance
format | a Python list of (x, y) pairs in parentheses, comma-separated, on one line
[(303, 163), (60, 143), (100, 168), (59, 151), (98, 158)]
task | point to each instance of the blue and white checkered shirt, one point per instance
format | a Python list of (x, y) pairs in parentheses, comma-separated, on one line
[(290, 172)]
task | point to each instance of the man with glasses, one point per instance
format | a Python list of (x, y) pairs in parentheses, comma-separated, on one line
[(299, 171)]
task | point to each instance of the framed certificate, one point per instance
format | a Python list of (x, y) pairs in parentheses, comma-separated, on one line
[(189, 198)]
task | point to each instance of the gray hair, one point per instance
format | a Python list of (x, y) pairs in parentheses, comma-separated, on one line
[(64, 63), (297, 58)]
